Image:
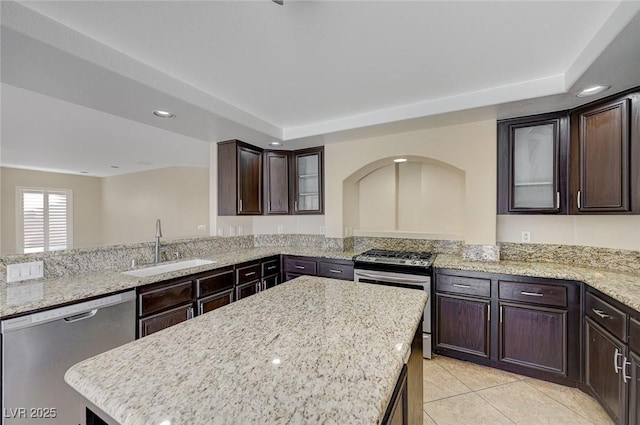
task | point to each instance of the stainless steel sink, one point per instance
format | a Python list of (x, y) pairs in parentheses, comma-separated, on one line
[(166, 268)]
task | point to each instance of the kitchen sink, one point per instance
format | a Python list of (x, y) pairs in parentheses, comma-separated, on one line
[(166, 268)]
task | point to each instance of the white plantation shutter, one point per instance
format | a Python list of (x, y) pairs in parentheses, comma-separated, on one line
[(44, 220)]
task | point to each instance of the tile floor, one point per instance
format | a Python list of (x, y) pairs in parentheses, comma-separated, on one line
[(462, 393)]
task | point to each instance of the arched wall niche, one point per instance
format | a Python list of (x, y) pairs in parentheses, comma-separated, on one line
[(421, 197)]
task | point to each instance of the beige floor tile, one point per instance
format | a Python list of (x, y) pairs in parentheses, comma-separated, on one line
[(524, 404), (463, 410), (581, 403), (438, 383), (426, 419), (475, 376)]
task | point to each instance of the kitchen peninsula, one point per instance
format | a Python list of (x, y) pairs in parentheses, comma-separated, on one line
[(310, 350)]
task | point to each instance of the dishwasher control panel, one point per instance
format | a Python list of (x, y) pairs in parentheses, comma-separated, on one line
[(67, 311)]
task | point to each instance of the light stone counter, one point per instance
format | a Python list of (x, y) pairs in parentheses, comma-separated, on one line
[(21, 298), (623, 287), (312, 350)]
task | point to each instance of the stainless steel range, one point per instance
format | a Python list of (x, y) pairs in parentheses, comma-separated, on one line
[(403, 269)]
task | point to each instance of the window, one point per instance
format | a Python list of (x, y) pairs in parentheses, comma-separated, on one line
[(44, 220)]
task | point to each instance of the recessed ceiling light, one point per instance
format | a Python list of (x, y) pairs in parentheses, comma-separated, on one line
[(163, 114), (275, 144), (115, 166), (400, 160), (590, 91)]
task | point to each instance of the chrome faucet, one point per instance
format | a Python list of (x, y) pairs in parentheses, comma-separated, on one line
[(158, 236)]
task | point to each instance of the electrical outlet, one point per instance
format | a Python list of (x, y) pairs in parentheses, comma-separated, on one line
[(526, 236), (202, 227), (25, 271), (220, 231), (240, 230), (280, 229), (232, 231), (322, 230)]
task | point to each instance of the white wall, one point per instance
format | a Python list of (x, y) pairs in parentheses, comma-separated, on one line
[(617, 232), (471, 148)]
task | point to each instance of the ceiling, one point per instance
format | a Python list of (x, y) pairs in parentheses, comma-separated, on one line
[(308, 72)]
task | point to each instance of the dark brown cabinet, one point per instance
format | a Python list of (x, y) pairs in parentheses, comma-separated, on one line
[(213, 302), (601, 146), (397, 410), (160, 321), (604, 355), (308, 180), (524, 325), (463, 324), (532, 164), (634, 393), (277, 172), (294, 266), (239, 178)]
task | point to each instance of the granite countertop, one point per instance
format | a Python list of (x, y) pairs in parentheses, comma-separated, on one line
[(32, 295), (623, 287), (312, 350)]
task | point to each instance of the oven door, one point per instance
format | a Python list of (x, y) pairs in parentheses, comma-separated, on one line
[(402, 280)]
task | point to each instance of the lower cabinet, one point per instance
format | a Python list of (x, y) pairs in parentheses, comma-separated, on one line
[(463, 324), (213, 302), (634, 390), (397, 411), (604, 356), (295, 265), (246, 290), (524, 325), (157, 322)]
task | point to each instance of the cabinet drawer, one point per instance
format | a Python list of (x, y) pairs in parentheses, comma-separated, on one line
[(533, 293), (163, 320), (246, 290), (161, 297), (208, 304), (270, 267), (208, 285), (335, 270), (634, 335), (300, 266), (463, 285), (607, 316), (248, 273)]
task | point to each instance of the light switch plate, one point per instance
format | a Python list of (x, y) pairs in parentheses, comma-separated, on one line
[(25, 271), (280, 229)]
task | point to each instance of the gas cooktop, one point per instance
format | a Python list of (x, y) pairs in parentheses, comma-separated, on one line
[(397, 258)]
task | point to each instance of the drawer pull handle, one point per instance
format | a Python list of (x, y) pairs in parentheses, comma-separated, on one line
[(249, 274), (271, 268), (616, 354), (601, 313), (625, 377), (299, 267), (531, 294), (459, 285), (335, 271)]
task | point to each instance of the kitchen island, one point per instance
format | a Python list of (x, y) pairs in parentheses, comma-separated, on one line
[(312, 350)]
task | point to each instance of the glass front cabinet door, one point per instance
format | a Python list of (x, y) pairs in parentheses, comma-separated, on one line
[(532, 171), (308, 179)]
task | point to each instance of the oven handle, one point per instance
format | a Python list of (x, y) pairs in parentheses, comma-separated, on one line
[(391, 279)]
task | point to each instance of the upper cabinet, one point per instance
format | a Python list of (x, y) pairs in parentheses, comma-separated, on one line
[(308, 178), (605, 157), (532, 171), (277, 173), (254, 182), (585, 161), (239, 178)]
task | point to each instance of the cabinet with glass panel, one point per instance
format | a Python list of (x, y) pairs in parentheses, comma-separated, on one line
[(308, 178), (532, 164)]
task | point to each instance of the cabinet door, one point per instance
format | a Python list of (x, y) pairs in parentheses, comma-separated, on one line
[(308, 181), (270, 281), (463, 324), (163, 320), (532, 171), (534, 337), (246, 290), (276, 182), (249, 181), (601, 151), (604, 359), (634, 393), (213, 302)]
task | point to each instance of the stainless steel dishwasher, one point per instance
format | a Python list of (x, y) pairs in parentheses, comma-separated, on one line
[(39, 348)]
